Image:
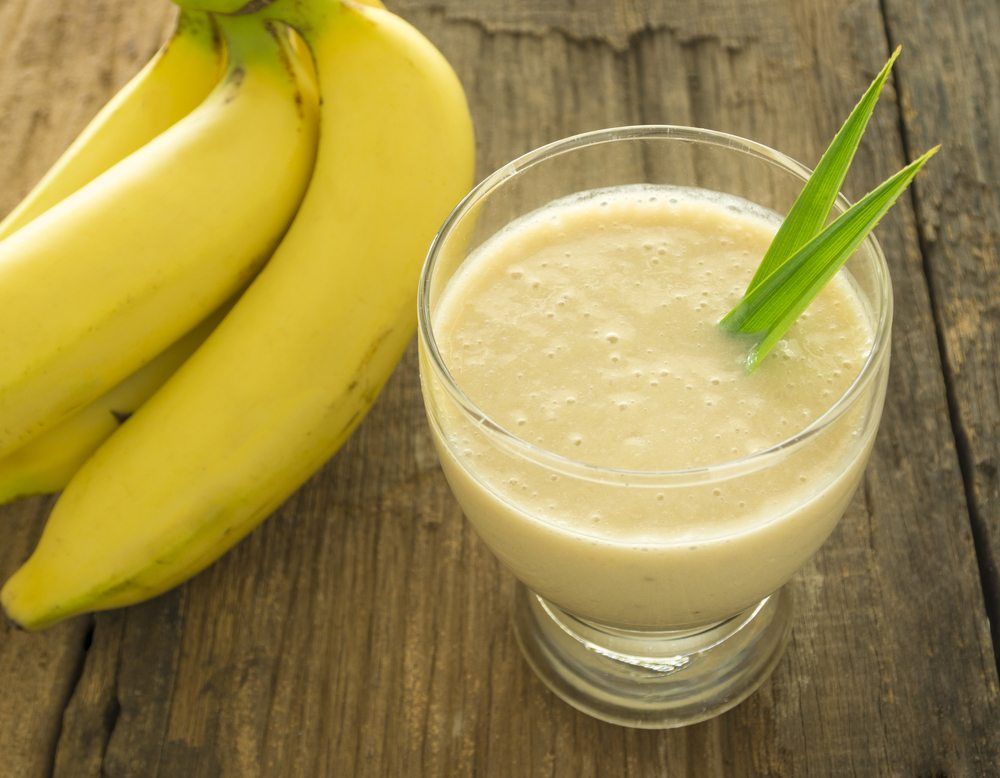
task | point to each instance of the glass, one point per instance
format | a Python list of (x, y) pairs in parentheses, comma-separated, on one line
[(680, 627)]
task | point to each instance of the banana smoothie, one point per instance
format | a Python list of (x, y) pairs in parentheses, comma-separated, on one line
[(613, 471)]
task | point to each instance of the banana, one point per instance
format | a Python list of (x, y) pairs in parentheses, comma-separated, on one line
[(46, 463), (100, 283), (288, 375), (178, 77)]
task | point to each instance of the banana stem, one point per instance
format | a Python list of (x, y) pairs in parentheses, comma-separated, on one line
[(253, 6), (196, 24), (308, 17), (248, 39), (223, 6)]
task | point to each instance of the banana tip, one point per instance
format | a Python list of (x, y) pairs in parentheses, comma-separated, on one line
[(18, 615)]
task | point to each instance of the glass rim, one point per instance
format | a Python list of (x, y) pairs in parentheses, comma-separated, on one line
[(495, 180)]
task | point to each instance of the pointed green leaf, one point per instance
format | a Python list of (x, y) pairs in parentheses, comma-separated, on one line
[(812, 207), (770, 308)]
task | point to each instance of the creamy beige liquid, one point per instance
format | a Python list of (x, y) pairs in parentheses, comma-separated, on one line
[(588, 329)]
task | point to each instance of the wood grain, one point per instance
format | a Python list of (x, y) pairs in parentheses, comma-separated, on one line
[(951, 95), (364, 631)]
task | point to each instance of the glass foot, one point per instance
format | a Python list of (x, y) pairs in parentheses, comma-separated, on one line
[(652, 680)]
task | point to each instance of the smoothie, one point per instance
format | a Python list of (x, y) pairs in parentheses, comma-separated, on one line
[(586, 333)]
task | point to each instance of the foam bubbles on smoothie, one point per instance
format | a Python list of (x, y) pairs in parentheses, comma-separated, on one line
[(583, 328)]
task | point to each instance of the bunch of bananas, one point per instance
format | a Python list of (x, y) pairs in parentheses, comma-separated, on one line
[(227, 258)]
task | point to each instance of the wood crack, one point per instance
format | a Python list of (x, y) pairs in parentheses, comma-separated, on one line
[(110, 720), (988, 577), (113, 708), (71, 687)]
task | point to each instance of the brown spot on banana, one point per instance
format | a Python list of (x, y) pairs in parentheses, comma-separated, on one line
[(253, 6), (281, 36), (233, 80), (371, 390)]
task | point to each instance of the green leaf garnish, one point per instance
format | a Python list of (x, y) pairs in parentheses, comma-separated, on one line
[(770, 308), (802, 259), (812, 207)]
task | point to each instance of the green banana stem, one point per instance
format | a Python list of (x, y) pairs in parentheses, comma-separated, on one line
[(196, 24), (309, 17), (248, 39), (223, 6)]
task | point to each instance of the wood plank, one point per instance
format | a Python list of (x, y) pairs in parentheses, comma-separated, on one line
[(364, 629), (950, 84)]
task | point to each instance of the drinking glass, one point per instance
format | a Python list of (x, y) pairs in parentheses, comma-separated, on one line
[(685, 622)]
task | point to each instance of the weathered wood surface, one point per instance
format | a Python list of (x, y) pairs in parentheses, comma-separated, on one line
[(951, 94), (363, 630)]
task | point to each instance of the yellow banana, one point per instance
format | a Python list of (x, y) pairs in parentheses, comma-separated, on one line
[(286, 377), (170, 86), (178, 77), (103, 281), (46, 463)]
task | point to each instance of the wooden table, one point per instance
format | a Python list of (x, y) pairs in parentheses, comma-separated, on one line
[(364, 629)]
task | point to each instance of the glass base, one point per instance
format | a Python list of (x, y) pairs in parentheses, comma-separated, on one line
[(652, 680)]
